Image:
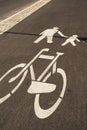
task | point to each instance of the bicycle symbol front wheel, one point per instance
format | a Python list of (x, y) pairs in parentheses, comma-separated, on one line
[(42, 113), (8, 95)]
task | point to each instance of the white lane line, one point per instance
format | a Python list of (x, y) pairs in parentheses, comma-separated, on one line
[(11, 21)]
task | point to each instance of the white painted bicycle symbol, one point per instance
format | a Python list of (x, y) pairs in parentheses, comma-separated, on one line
[(39, 85)]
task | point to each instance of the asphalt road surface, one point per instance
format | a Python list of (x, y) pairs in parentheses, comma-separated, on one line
[(17, 46), (9, 7)]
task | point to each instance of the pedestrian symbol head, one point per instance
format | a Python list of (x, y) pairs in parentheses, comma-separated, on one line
[(55, 28), (75, 36)]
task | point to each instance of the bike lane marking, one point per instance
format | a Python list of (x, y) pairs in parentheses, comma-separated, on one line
[(11, 21), (37, 86)]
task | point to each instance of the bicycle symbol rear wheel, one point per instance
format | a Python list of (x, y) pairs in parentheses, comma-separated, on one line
[(42, 113)]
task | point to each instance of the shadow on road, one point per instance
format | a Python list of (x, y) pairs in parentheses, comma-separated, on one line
[(34, 34)]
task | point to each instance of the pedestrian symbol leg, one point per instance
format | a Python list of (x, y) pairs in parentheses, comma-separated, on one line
[(49, 39), (73, 43), (39, 39), (65, 43)]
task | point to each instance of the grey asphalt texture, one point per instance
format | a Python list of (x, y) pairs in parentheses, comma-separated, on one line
[(10, 7), (16, 46)]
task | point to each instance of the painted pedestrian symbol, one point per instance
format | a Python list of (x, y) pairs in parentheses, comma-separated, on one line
[(38, 85), (71, 40), (49, 33)]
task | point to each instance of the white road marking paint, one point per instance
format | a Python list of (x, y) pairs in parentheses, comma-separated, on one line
[(28, 65), (37, 86), (44, 113), (5, 98), (11, 21), (24, 72), (49, 33), (49, 66), (32, 72), (46, 57), (41, 87), (71, 40), (18, 85), (54, 68), (46, 77), (17, 66), (61, 71), (21, 81)]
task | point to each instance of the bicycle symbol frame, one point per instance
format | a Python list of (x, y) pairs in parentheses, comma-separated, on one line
[(40, 84)]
